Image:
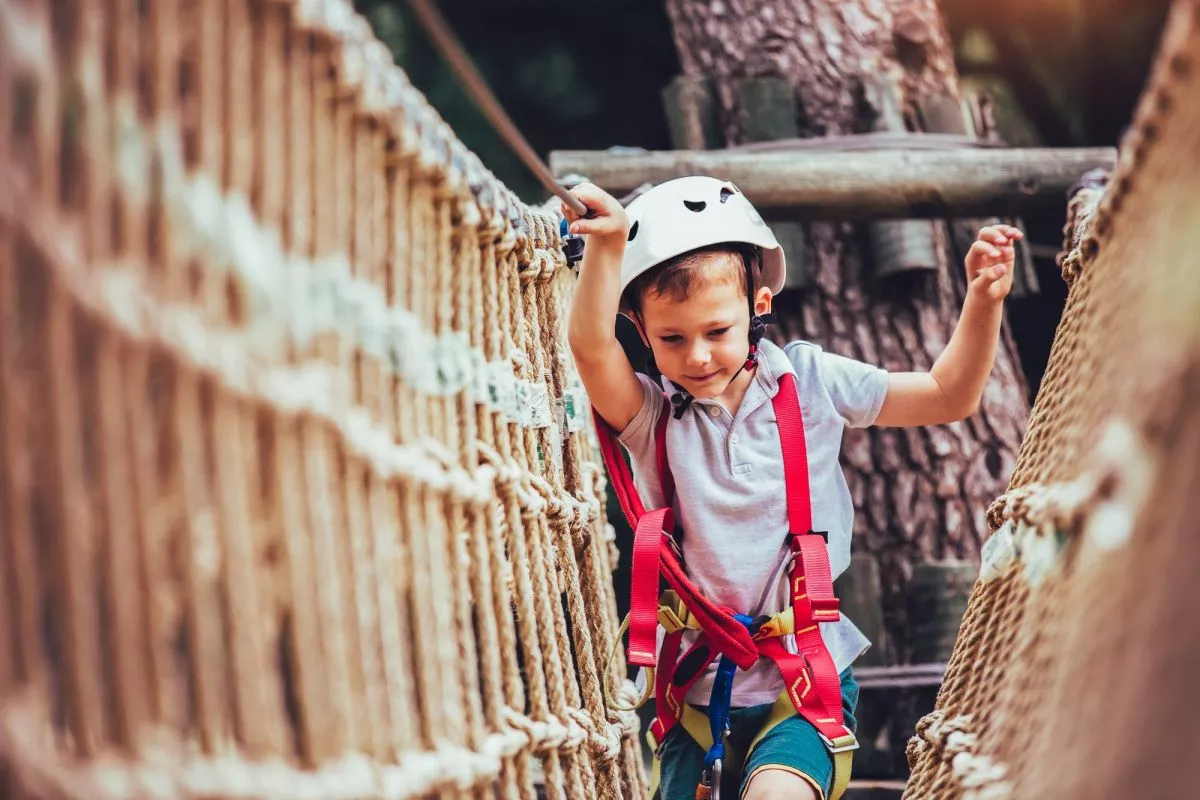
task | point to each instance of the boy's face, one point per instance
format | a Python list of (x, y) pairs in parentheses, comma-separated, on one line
[(701, 343)]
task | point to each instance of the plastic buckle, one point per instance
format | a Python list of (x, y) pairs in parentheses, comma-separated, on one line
[(655, 745), (794, 538), (832, 744), (572, 244), (669, 620)]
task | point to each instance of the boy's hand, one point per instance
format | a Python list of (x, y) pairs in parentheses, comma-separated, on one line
[(606, 218), (989, 262)]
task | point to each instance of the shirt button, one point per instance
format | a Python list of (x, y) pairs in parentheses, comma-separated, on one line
[(733, 439), (716, 412)]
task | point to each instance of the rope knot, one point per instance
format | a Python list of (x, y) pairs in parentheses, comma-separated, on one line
[(521, 362), (626, 715), (543, 736)]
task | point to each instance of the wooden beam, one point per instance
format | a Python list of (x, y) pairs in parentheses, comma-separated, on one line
[(886, 182)]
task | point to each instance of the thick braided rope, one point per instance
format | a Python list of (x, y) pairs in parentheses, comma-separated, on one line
[(296, 412), (1093, 516), (569, 519)]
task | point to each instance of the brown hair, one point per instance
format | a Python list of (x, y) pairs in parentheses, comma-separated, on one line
[(676, 276)]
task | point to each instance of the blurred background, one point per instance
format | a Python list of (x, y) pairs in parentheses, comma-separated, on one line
[(589, 76)]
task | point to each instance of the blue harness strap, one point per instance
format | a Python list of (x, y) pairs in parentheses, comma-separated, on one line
[(720, 699)]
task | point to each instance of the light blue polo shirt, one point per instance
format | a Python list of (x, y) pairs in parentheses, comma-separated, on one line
[(729, 490)]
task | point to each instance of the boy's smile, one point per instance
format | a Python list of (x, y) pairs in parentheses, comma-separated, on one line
[(701, 343)]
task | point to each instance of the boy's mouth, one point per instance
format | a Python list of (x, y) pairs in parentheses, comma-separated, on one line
[(703, 378)]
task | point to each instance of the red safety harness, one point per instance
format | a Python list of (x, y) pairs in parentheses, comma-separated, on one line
[(810, 678)]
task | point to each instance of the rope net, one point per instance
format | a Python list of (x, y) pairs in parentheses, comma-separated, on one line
[(1074, 668), (297, 495)]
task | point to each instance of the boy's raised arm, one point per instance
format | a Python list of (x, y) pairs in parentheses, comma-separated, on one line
[(952, 388), (610, 381)]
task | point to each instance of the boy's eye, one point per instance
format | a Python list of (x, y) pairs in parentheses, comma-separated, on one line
[(718, 333), (672, 338)]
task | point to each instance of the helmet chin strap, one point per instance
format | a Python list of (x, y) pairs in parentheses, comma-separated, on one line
[(681, 398)]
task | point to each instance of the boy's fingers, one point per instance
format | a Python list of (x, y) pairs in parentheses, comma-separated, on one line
[(1000, 234), (591, 196), (995, 237), (982, 248), (592, 226)]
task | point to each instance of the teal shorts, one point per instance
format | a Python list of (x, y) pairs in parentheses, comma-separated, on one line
[(792, 745)]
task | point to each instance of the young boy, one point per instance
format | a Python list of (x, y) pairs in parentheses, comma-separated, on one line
[(693, 265)]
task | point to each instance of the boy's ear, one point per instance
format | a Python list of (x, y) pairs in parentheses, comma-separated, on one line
[(762, 301)]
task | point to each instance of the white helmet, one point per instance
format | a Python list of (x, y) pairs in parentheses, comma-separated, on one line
[(688, 213)]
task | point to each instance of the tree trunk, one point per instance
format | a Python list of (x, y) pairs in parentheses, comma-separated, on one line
[(920, 494)]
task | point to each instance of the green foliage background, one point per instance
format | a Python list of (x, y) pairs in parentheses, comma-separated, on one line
[(579, 76)]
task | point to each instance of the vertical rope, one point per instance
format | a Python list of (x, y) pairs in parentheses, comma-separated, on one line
[(533, 632), (460, 642), (465, 558), (570, 528), (548, 606), (390, 533), (369, 211), (484, 294), (305, 665), (550, 554)]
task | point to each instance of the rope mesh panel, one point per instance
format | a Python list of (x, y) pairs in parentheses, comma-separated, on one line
[(1071, 673), (298, 495)]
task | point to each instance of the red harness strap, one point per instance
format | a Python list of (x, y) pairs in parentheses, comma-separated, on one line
[(810, 676), (669, 693), (654, 555)]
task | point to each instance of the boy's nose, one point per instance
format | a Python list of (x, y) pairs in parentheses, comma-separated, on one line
[(698, 355)]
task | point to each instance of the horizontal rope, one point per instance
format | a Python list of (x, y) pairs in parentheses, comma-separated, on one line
[(1030, 523), (166, 770), (952, 739)]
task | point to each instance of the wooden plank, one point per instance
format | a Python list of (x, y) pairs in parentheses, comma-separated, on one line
[(886, 182), (896, 245), (691, 113), (769, 109), (770, 113), (859, 590)]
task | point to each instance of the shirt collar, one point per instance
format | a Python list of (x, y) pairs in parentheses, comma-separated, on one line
[(764, 383)]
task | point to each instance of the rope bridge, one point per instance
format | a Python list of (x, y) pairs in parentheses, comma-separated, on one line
[(1074, 673), (296, 491), (297, 496)]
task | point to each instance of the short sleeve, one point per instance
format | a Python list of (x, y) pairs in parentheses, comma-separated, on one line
[(638, 436), (856, 389)]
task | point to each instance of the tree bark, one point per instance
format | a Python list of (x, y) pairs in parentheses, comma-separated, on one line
[(920, 494)]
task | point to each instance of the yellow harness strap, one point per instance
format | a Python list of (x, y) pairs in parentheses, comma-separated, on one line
[(673, 616), (696, 724), (841, 749)]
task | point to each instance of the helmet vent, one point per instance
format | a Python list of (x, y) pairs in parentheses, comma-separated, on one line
[(633, 230), (726, 193), (695, 205)]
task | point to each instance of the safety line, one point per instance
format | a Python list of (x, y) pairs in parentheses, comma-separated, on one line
[(450, 48)]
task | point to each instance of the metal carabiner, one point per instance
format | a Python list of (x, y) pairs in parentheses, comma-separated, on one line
[(709, 787)]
